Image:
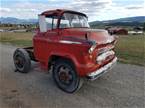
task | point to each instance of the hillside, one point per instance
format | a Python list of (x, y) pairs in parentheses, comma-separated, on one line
[(12, 20), (129, 21)]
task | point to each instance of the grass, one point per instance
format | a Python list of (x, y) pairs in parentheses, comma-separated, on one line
[(129, 49), (18, 39)]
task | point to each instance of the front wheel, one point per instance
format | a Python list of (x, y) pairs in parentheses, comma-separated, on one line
[(65, 76)]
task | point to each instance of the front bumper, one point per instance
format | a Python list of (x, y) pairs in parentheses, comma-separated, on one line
[(102, 70)]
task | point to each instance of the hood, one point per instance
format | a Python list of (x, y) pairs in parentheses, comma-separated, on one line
[(100, 36)]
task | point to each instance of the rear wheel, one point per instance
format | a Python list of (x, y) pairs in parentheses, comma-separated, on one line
[(22, 60), (66, 77)]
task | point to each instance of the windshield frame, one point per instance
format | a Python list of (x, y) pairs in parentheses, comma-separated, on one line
[(75, 13)]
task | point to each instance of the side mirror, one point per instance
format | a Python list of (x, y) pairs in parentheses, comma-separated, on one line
[(42, 23)]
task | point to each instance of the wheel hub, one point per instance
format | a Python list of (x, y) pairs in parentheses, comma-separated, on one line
[(65, 75), (19, 61)]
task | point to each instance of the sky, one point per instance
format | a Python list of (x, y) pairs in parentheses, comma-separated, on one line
[(94, 9)]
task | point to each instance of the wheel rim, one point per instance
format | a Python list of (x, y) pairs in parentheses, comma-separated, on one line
[(65, 75), (66, 78)]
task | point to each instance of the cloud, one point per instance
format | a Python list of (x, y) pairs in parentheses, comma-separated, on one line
[(135, 7), (90, 7), (95, 9), (5, 10)]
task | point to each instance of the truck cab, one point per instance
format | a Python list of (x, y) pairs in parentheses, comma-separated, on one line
[(66, 43)]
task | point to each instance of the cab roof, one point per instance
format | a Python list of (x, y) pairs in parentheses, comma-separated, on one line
[(59, 12)]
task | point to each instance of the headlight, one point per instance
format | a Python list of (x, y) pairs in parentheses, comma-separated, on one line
[(92, 47)]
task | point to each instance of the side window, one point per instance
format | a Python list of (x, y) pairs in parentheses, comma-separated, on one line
[(47, 23), (51, 23)]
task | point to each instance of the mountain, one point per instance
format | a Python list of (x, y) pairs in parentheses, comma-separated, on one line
[(129, 21), (11, 20), (132, 19)]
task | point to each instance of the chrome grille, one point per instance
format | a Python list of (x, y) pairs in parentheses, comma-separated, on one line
[(104, 53), (105, 49)]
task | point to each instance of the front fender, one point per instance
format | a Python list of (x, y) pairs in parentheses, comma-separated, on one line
[(66, 56)]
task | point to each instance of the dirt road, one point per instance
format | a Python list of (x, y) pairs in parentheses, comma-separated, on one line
[(122, 87)]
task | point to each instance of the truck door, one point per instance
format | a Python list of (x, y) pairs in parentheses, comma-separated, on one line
[(47, 36)]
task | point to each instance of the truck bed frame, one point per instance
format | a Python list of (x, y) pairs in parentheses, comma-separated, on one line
[(30, 51)]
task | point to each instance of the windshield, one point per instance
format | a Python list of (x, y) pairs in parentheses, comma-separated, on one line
[(70, 20)]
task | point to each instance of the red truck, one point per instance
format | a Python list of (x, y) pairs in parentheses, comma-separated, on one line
[(65, 43)]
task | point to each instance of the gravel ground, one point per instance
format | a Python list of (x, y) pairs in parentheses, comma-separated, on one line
[(122, 87)]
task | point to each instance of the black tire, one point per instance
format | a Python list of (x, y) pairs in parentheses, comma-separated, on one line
[(22, 60), (71, 84)]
